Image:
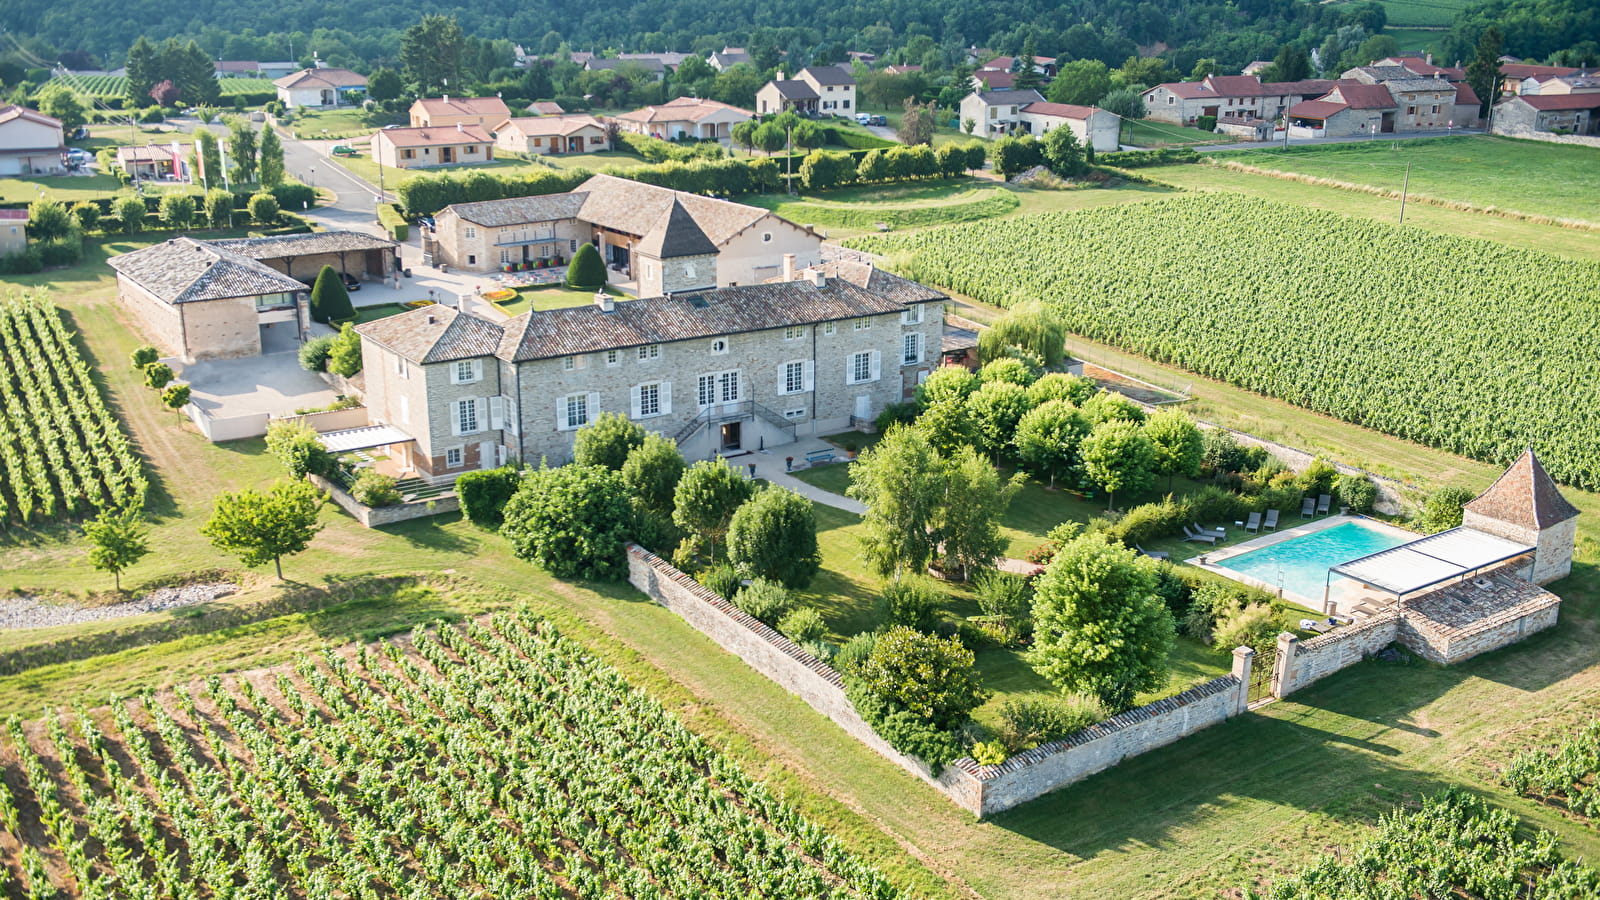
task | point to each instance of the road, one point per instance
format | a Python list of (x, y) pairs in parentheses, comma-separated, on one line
[(355, 203)]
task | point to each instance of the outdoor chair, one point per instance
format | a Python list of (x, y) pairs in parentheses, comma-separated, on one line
[(1308, 508), (1190, 534), (1324, 504), (1219, 531), (1255, 522), (1271, 524), (1159, 554)]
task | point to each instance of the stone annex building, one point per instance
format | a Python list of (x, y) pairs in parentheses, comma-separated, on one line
[(717, 369), (653, 237)]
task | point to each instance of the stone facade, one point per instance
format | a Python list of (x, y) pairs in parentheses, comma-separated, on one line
[(160, 322), (471, 247), (1300, 664)]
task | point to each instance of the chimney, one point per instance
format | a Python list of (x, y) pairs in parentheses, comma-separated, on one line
[(788, 267), (604, 301), (431, 319), (461, 128), (1430, 57), (817, 278), (446, 97)]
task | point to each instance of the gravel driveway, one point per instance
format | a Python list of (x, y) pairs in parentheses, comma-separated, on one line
[(31, 612)]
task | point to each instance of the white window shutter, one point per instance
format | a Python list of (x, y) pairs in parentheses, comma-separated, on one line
[(561, 414), (455, 374), (809, 369), (477, 370), (875, 367), (666, 398), (634, 400), (481, 407), (497, 413), (593, 409), (850, 369), (455, 416), (783, 378)]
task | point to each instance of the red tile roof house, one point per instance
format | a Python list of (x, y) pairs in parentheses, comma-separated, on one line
[(1351, 108), (319, 87), (1093, 126), (1237, 96), (422, 148), (545, 108), (685, 117), (153, 161), (447, 111), (544, 135), (1550, 113)]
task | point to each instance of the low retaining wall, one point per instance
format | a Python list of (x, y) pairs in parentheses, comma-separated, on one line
[(227, 428), (1581, 140), (331, 420), (377, 516), (1057, 764), (981, 790), (1298, 664)]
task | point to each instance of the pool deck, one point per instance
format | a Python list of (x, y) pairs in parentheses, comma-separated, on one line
[(1345, 602)]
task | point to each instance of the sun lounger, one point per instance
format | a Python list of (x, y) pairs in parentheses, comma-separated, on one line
[(1159, 554), (1254, 524), (1219, 531), (1190, 534), (1324, 504), (1271, 524), (1308, 508)]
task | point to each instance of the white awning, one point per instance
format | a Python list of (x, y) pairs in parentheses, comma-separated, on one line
[(1431, 560), (363, 438)]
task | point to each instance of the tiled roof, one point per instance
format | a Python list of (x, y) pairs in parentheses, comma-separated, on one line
[(238, 65), (1060, 110), (1377, 74), (13, 215), (1465, 94), (183, 270), (536, 126), (281, 246), (676, 235), (1007, 98), (545, 108), (827, 75), (465, 106), (731, 310), (635, 208), (648, 63), (1524, 495), (1363, 96), (1412, 85), (901, 70), (1184, 90), (334, 78), (876, 280), (434, 334), (520, 210), (1234, 85), (1317, 108), (10, 113), (1523, 70), (793, 90), (436, 135), (1552, 102), (1306, 86), (150, 153), (670, 58), (995, 80), (998, 64), (683, 109)]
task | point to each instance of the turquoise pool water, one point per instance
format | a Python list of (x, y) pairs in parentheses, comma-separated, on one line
[(1300, 565)]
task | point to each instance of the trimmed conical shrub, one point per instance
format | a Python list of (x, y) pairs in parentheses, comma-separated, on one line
[(586, 272), (329, 300)]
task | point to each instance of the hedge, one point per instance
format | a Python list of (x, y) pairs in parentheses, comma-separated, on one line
[(390, 218), (424, 195), (1138, 159)]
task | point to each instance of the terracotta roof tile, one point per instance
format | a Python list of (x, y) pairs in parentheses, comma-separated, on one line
[(334, 78), (436, 135), (1060, 110), (1524, 495), (434, 334), (1548, 102), (465, 106), (520, 210), (535, 126)]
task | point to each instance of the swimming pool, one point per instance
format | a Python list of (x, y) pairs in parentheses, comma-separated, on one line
[(1300, 565)]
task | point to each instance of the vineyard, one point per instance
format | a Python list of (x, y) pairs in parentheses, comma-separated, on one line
[(1569, 777), (1464, 345), (494, 760), (104, 87), (62, 453), (1457, 846)]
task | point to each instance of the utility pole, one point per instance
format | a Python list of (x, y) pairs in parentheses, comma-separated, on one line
[(1404, 187)]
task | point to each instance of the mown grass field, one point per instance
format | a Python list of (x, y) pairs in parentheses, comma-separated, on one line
[(1556, 180), (1224, 809), (1150, 133)]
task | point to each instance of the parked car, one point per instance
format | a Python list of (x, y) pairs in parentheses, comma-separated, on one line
[(863, 119), (343, 150), (879, 120), (351, 283)]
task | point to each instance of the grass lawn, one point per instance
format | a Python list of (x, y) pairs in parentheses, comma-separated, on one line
[(1571, 242), (330, 124), (1150, 133), (382, 311), (551, 296), (1531, 177), (66, 188), (594, 162), (1226, 808)]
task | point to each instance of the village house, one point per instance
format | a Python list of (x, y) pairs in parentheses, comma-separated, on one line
[(1042, 65), (13, 231), (424, 148), (727, 58), (1547, 85), (720, 370), (552, 135), (1514, 73), (685, 118), (895, 69), (1238, 98), (651, 65), (153, 161), (319, 87), (226, 299), (444, 112), (1577, 113), (992, 80), (835, 88), (1094, 127), (636, 227), (546, 108), (1351, 108), (783, 96), (31, 143), (996, 112)]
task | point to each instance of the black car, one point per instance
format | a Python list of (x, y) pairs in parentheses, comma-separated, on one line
[(351, 283), (880, 120)]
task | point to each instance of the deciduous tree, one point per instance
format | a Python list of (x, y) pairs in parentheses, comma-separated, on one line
[(1099, 626), (271, 153), (901, 481), (975, 500), (1178, 444), (706, 498), (261, 526), (1048, 437), (774, 535), (574, 522), (117, 541), (1118, 457), (933, 677), (607, 441)]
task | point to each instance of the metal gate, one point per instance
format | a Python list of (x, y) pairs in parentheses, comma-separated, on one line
[(1262, 668)]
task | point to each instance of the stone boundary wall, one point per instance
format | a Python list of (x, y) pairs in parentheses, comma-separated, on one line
[(330, 420), (378, 516), (981, 790), (1299, 664), (1057, 764), (1581, 140), (218, 429)]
